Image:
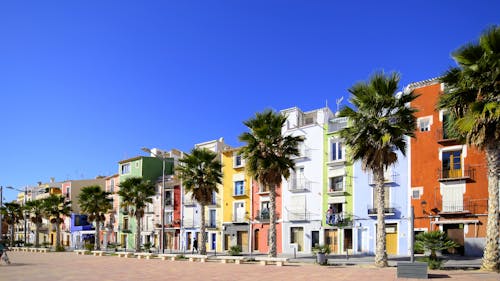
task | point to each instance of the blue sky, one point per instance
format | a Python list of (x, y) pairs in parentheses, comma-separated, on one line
[(84, 84)]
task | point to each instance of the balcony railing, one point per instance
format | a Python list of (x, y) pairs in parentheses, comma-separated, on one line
[(189, 201), (388, 211), (189, 224), (338, 219), (299, 185), (388, 178), (444, 137), (305, 153), (215, 202), (262, 215), (299, 215), (457, 174), (337, 124), (239, 219), (212, 224)]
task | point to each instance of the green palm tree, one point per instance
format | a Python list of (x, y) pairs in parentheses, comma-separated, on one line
[(135, 194), (379, 125), (472, 98), (35, 210), (95, 202), (55, 208), (201, 172), (12, 213), (268, 156)]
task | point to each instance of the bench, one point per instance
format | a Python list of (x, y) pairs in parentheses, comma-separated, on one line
[(143, 255), (201, 258), (172, 257), (124, 254), (42, 250), (80, 252), (33, 250), (236, 259), (266, 260), (98, 253)]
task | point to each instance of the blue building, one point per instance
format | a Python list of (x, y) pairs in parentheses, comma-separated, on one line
[(397, 209)]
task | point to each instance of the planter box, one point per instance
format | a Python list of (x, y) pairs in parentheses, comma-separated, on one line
[(412, 270)]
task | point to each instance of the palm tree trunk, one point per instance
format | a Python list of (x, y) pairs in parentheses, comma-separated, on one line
[(491, 256), (272, 221), (58, 233), (97, 242), (37, 233), (12, 228), (138, 232), (380, 251), (203, 242)]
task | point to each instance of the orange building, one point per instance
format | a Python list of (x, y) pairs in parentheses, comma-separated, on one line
[(260, 222), (449, 181)]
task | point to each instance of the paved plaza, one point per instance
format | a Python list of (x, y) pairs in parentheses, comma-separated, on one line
[(69, 266)]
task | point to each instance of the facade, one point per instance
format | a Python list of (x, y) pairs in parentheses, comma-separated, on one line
[(77, 230), (191, 221), (302, 210), (338, 214), (109, 233), (236, 195), (148, 168), (449, 186)]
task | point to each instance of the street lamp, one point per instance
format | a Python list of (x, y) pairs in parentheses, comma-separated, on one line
[(162, 198), (24, 205), (1, 203)]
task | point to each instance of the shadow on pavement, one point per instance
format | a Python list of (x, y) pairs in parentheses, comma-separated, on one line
[(438, 276)]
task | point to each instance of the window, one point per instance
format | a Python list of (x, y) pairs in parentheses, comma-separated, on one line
[(336, 151), (112, 185), (169, 217), (264, 210), (238, 161), (452, 164), (125, 169), (239, 188), (263, 188), (416, 192), (337, 184), (168, 198), (125, 223), (424, 123)]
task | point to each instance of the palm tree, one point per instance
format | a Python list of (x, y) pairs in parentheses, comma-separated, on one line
[(472, 98), (95, 203), (268, 157), (35, 209), (378, 127), (12, 212), (201, 172), (135, 194), (55, 208)]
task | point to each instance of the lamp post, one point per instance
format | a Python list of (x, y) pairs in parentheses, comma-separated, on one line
[(162, 198), (24, 205)]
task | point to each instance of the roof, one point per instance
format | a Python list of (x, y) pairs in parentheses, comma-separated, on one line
[(423, 83)]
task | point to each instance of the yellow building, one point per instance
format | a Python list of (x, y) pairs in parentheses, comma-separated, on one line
[(236, 196)]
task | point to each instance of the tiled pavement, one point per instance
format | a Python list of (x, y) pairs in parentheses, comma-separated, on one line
[(69, 266)]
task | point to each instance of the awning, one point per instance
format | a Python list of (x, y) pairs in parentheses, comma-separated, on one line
[(336, 199), (455, 222)]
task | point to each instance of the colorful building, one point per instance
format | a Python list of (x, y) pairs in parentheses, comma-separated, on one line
[(236, 195), (449, 187), (302, 210), (148, 168), (109, 233), (338, 215)]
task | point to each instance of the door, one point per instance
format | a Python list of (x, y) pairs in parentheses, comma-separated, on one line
[(314, 238), (456, 233), (391, 239), (242, 237), (188, 241), (226, 241), (256, 240), (331, 239), (348, 240), (214, 241), (297, 237)]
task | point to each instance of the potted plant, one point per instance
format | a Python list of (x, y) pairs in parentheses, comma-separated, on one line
[(321, 251)]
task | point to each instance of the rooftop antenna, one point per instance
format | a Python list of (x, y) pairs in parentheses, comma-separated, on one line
[(338, 102)]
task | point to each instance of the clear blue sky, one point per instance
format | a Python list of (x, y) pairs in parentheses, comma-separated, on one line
[(84, 84)]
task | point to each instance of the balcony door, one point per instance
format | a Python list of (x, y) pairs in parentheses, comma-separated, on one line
[(239, 211), (452, 164)]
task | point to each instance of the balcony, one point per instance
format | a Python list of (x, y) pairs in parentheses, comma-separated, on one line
[(212, 224), (388, 211), (239, 219), (215, 202), (337, 124), (305, 153), (299, 215), (299, 185), (467, 174), (388, 178), (338, 219), (336, 189), (262, 215), (189, 224), (444, 138), (189, 201)]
